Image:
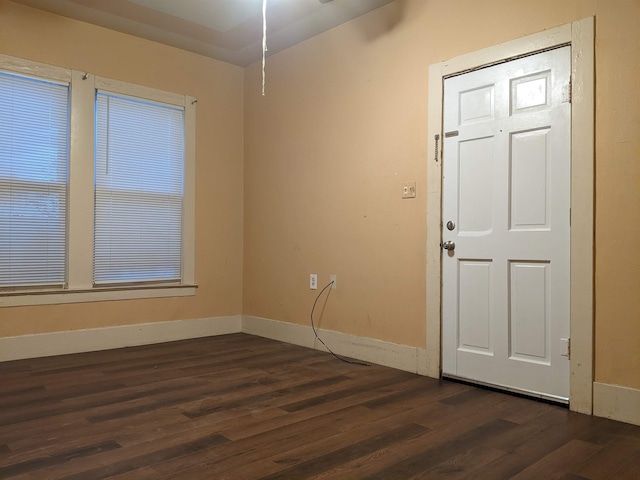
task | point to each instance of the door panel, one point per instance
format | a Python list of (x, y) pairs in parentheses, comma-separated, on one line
[(529, 311), (506, 190), (474, 320), (475, 212), (529, 182), (476, 104)]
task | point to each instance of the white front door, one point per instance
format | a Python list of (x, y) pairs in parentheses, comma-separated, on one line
[(506, 224)]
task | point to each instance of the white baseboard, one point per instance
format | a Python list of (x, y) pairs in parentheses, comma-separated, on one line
[(616, 402), (402, 357), (610, 401), (76, 341)]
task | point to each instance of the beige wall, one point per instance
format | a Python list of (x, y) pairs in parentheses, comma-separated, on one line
[(343, 126), (35, 35), (617, 266), (326, 152)]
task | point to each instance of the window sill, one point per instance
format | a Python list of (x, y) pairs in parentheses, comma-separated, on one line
[(102, 294)]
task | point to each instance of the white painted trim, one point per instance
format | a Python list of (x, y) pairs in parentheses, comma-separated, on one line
[(80, 239), (507, 50), (434, 222), (580, 35), (35, 69), (139, 91), (189, 200), (401, 357), (76, 341), (582, 213), (102, 295), (81, 183), (616, 402)]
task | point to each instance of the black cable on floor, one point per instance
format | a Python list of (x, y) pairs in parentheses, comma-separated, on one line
[(352, 362)]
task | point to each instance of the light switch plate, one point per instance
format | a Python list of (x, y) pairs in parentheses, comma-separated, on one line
[(409, 190)]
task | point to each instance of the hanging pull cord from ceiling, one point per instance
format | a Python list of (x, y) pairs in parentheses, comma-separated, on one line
[(264, 40)]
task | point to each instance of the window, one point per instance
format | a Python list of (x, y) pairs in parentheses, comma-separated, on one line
[(34, 138), (139, 178), (97, 180)]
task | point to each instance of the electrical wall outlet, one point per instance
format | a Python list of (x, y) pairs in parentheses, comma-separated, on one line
[(409, 190), (334, 279), (313, 281)]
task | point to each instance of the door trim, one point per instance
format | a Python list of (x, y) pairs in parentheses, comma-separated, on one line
[(580, 35)]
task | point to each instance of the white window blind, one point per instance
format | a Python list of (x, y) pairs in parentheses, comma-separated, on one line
[(34, 138), (139, 169)]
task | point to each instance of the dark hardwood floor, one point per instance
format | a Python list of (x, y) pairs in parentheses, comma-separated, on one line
[(244, 407)]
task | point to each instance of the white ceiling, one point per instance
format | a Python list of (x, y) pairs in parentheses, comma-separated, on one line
[(228, 30)]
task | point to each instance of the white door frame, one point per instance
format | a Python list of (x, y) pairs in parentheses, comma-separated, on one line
[(580, 35)]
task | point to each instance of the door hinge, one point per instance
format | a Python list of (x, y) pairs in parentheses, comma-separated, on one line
[(567, 342), (567, 92), (570, 89)]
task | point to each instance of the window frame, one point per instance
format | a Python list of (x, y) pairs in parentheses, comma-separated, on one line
[(43, 188), (80, 215)]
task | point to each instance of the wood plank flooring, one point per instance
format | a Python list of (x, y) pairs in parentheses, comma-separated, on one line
[(244, 407)]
